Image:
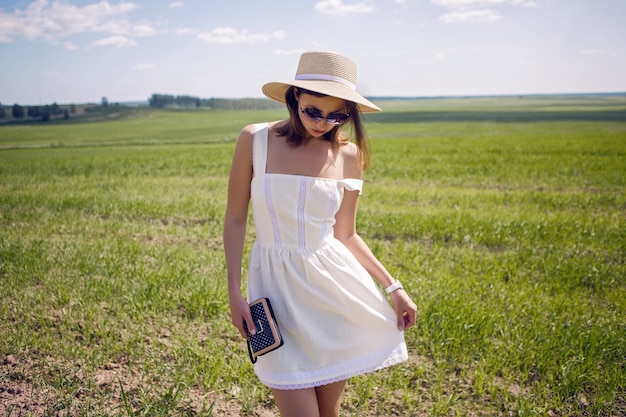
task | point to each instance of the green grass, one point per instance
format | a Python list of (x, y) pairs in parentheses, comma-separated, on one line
[(504, 218)]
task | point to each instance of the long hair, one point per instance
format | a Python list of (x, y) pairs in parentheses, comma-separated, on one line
[(296, 133)]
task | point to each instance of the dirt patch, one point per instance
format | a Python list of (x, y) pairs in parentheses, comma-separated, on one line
[(115, 388)]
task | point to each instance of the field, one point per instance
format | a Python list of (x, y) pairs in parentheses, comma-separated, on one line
[(505, 218)]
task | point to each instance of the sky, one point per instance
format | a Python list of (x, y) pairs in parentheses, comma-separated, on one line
[(78, 51)]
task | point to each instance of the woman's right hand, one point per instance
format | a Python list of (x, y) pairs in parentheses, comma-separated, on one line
[(240, 311)]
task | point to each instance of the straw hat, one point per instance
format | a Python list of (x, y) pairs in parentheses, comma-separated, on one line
[(326, 73)]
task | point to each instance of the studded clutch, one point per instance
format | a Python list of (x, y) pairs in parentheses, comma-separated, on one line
[(267, 337)]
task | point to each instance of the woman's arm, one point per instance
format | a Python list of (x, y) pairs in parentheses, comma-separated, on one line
[(345, 231), (235, 221)]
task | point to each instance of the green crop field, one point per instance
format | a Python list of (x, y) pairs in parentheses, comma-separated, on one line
[(505, 218)]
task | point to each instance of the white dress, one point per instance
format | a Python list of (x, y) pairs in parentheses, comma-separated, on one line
[(334, 319)]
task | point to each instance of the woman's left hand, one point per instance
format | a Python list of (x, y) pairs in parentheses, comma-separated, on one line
[(406, 310)]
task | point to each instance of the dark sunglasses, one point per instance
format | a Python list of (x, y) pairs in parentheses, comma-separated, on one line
[(316, 115)]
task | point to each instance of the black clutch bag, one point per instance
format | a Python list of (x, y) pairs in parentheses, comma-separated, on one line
[(267, 337)]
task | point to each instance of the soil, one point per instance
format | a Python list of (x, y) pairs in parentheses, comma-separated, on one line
[(105, 390)]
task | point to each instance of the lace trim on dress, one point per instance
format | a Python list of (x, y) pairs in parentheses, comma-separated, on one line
[(272, 213), (301, 203), (332, 208), (398, 355)]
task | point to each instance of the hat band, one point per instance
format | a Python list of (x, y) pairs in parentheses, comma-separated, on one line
[(326, 77)]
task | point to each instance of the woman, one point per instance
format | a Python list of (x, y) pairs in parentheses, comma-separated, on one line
[(303, 176)]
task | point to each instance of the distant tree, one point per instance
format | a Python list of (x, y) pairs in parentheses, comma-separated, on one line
[(18, 111), (33, 111), (66, 114), (105, 102), (2, 112), (45, 113), (186, 101), (160, 101), (72, 108), (55, 109)]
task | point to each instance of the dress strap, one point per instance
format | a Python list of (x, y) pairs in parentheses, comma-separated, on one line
[(259, 147)]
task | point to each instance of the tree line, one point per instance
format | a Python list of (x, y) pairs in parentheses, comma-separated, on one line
[(161, 101), (43, 113)]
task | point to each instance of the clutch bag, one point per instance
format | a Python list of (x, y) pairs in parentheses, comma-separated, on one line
[(267, 337)]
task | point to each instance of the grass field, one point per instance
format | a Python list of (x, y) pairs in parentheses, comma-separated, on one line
[(505, 218)]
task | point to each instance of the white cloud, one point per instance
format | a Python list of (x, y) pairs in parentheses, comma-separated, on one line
[(476, 10), (186, 31), (50, 21), (232, 35), (456, 4), (485, 15), (339, 8), (176, 4), (142, 30), (70, 46), (115, 41), (142, 67), (125, 28)]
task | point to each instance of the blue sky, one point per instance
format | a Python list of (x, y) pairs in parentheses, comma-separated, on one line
[(76, 51)]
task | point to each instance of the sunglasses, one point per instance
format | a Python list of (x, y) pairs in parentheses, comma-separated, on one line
[(315, 115)]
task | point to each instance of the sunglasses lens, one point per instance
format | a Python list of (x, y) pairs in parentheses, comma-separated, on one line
[(313, 114), (337, 118), (316, 115)]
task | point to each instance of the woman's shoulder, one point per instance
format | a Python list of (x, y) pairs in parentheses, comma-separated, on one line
[(247, 130), (349, 151), (348, 147), (250, 129), (351, 160), (246, 134)]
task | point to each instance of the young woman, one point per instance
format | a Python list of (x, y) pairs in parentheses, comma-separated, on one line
[(303, 177)]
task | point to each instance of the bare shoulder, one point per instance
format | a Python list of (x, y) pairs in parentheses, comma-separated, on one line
[(349, 148), (351, 160), (243, 147), (244, 141), (246, 134)]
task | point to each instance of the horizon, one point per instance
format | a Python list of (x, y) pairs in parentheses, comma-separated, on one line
[(380, 98)]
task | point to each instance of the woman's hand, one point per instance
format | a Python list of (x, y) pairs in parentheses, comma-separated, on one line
[(406, 310), (240, 311)]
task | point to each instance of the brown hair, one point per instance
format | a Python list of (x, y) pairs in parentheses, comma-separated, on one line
[(296, 133)]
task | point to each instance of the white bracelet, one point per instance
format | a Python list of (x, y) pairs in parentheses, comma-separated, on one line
[(393, 287)]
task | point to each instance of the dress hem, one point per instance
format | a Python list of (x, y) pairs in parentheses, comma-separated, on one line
[(399, 356)]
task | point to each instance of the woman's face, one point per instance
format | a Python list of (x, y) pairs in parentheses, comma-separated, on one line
[(319, 115)]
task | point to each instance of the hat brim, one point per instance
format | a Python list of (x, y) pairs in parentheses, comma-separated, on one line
[(277, 90)]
